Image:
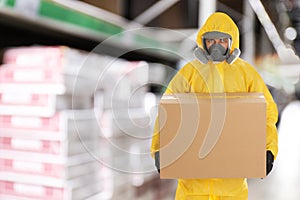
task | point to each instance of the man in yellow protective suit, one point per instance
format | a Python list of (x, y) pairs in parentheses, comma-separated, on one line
[(218, 68)]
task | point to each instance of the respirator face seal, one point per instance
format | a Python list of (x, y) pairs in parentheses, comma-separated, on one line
[(216, 52)]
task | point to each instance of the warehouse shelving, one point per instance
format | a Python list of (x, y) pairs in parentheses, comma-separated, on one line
[(53, 23), (67, 23)]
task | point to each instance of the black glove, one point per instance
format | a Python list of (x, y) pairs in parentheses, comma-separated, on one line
[(270, 160), (157, 162)]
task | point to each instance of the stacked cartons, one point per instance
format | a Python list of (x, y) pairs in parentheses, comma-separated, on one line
[(124, 123), (48, 129), (124, 86)]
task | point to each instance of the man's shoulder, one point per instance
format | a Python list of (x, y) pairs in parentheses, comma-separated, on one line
[(191, 66), (193, 63), (244, 65)]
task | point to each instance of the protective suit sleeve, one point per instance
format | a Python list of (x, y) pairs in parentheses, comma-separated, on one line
[(178, 84), (258, 85)]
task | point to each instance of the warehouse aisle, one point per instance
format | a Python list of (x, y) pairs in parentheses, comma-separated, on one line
[(284, 180)]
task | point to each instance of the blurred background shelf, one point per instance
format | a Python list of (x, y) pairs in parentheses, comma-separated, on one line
[(53, 23)]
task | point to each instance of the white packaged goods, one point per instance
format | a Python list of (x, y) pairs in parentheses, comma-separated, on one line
[(158, 73), (35, 56), (64, 114), (44, 105), (46, 147), (117, 100), (56, 70), (71, 125), (67, 133), (81, 174), (64, 59), (126, 149), (124, 84), (27, 187), (43, 80), (55, 170), (132, 121), (48, 158)]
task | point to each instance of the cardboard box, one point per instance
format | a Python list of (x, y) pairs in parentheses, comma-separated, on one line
[(213, 135)]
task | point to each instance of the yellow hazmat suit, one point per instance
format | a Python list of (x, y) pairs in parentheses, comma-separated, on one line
[(239, 76)]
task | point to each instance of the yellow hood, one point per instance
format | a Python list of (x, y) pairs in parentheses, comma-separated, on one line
[(220, 22)]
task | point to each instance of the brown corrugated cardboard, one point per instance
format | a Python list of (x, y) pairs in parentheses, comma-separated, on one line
[(220, 135)]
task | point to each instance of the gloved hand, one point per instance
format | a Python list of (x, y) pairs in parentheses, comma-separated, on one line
[(157, 162), (270, 160)]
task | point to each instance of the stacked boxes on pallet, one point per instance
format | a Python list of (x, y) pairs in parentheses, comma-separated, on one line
[(124, 123), (124, 85), (48, 129)]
